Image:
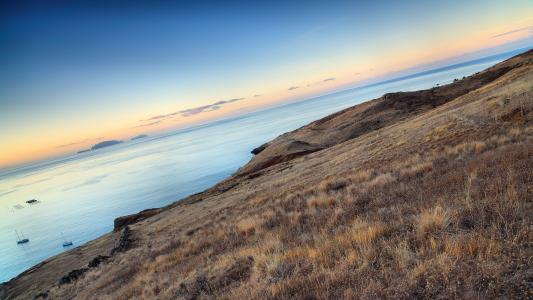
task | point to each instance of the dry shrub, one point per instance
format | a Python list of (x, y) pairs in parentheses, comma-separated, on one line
[(433, 221), (321, 201), (515, 132), (467, 148), (417, 169), (313, 202), (361, 175), (403, 256), (248, 225), (332, 184), (273, 219), (277, 267), (453, 151), (322, 256), (478, 147), (471, 246), (365, 234), (381, 180), (352, 257), (499, 140), (433, 273)]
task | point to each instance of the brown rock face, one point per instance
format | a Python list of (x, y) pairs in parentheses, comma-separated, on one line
[(367, 117), (120, 222)]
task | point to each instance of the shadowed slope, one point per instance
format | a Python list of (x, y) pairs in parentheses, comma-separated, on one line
[(360, 119)]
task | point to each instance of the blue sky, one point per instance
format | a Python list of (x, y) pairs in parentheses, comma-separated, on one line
[(76, 71)]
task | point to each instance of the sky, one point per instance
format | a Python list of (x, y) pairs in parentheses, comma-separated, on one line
[(73, 73)]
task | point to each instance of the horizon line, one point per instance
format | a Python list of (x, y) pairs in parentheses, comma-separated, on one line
[(371, 83)]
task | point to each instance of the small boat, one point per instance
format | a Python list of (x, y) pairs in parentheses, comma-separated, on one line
[(65, 242), (32, 201), (22, 240)]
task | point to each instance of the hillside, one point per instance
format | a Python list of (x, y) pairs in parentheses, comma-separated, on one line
[(423, 194), (370, 116)]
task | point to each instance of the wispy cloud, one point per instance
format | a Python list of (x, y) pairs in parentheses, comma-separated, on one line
[(529, 28), (187, 112), (293, 88), (157, 117), (206, 108), (321, 81), (70, 144), (257, 95), (149, 124), (78, 142)]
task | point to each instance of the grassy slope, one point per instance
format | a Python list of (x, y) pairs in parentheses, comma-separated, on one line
[(432, 201)]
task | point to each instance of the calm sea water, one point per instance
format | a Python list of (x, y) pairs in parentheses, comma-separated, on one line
[(82, 194)]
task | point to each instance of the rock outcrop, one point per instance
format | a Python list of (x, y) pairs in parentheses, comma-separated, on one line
[(123, 221), (367, 117)]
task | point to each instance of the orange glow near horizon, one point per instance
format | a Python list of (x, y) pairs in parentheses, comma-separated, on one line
[(45, 142)]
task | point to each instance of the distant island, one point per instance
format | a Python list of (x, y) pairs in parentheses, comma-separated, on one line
[(101, 145), (140, 136), (403, 184), (105, 144)]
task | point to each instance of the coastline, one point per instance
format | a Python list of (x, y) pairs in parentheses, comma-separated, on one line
[(68, 157), (275, 157), (104, 214)]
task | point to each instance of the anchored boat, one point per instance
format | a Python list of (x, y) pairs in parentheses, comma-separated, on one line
[(22, 240), (65, 242)]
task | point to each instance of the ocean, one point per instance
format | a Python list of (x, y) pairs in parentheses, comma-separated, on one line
[(80, 195)]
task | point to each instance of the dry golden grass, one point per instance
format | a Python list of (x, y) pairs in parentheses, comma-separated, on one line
[(381, 180), (445, 225), (248, 225), (361, 175), (433, 221), (332, 185), (337, 249), (417, 169), (365, 234), (391, 214)]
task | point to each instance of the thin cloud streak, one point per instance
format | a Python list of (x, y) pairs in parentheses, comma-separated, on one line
[(189, 112), (321, 81), (148, 124), (293, 88), (78, 142), (529, 28)]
